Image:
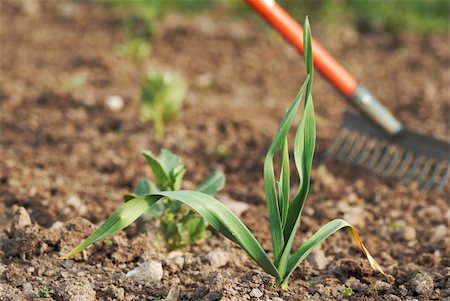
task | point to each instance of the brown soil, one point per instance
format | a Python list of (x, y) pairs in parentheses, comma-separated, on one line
[(66, 159)]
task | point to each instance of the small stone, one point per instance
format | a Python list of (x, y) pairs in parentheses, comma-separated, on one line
[(382, 286), (78, 291), (353, 214), (422, 284), (174, 261), (236, 207), (318, 260), (21, 220), (447, 215), (114, 103), (27, 289), (150, 270), (204, 80), (402, 290), (173, 295), (56, 226), (118, 293), (218, 258), (408, 233), (440, 232), (277, 299), (76, 203), (256, 293), (391, 297), (355, 284), (130, 297)]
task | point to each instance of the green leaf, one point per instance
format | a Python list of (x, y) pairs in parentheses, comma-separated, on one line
[(304, 144), (161, 176), (213, 183), (275, 223), (162, 95), (224, 221), (196, 226), (170, 162), (322, 234), (120, 219), (285, 183), (308, 55), (213, 211), (145, 186), (167, 168)]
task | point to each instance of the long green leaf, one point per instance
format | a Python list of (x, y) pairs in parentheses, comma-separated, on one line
[(322, 234), (119, 220), (304, 144), (275, 223), (213, 183), (213, 211), (308, 55), (285, 183), (223, 220)]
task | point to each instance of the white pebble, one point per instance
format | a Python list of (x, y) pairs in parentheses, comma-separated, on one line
[(114, 103), (256, 293), (218, 258), (149, 270)]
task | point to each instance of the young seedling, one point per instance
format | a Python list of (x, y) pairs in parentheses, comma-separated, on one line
[(45, 292), (179, 225), (162, 97), (347, 291), (284, 212), (135, 49)]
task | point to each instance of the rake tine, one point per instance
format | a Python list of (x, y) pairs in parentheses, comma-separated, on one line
[(390, 168), (365, 153), (346, 146), (432, 179), (375, 155), (385, 159), (425, 171), (359, 146), (443, 180), (407, 158), (337, 142), (412, 171)]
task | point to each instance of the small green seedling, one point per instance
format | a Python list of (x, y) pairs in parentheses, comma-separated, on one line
[(75, 81), (136, 49), (347, 291), (179, 225), (162, 97), (284, 212), (45, 292)]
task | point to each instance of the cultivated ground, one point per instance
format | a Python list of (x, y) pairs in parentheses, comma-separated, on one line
[(66, 159)]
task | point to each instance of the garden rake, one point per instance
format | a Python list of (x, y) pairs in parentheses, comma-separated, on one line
[(375, 140)]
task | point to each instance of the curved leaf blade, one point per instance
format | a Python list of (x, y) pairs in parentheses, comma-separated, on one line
[(161, 176), (304, 145), (275, 220), (119, 220), (223, 220), (317, 238), (213, 183), (285, 183)]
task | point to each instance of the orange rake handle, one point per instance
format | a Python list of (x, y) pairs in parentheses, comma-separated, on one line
[(358, 95), (293, 32)]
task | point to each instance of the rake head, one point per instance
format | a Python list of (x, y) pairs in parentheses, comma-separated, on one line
[(407, 156)]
